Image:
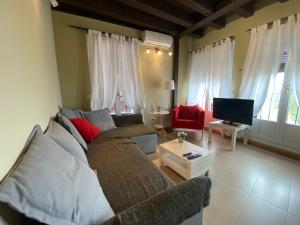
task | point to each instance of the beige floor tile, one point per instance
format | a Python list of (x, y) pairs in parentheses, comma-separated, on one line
[(225, 205), (251, 186), (292, 220), (257, 212), (294, 204), (242, 179), (206, 222), (274, 189)]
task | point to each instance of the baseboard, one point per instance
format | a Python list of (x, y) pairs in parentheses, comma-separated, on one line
[(277, 150), (270, 148)]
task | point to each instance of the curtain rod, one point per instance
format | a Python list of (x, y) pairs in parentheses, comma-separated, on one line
[(87, 29), (232, 37), (283, 20)]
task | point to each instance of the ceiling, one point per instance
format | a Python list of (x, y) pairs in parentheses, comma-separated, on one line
[(174, 17)]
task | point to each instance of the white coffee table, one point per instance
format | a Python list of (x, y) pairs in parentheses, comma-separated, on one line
[(170, 154)]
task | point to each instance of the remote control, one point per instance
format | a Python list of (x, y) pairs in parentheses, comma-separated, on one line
[(190, 157), (187, 154)]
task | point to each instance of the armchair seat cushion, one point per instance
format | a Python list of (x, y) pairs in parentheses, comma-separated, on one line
[(189, 124)]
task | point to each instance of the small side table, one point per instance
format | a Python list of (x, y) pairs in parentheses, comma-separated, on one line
[(160, 127), (234, 129)]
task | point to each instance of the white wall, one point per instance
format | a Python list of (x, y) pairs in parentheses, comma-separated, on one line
[(29, 85)]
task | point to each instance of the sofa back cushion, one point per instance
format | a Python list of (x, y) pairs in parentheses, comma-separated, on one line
[(87, 130), (70, 113), (65, 140), (101, 119), (188, 112), (66, 123), (51, 186)]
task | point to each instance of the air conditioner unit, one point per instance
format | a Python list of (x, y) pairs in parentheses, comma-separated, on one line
[(156, 40)]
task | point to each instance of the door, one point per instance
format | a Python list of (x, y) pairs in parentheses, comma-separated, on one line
[(278, 122)]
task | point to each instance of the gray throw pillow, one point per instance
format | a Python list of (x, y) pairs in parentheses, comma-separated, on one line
[(65, 140), (66, 123), (52, 187), (101, 119), (71, 113)]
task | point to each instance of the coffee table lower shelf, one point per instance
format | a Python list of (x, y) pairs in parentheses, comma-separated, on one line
[(170, 155)]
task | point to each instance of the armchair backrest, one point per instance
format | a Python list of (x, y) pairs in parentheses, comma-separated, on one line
[(188, 112)]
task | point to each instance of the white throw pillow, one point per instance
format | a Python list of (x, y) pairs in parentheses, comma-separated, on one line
[(51, 186), (65, 140)]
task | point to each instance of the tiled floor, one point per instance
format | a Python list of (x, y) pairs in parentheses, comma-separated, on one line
[(251, 186)]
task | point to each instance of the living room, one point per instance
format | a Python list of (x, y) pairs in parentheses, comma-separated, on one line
[(175, 112)]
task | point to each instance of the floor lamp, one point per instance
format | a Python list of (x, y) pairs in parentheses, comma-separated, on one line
[(169, 85)]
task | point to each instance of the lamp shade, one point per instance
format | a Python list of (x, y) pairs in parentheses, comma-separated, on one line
[(169, 85)]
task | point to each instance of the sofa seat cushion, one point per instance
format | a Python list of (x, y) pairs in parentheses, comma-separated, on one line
[(126, 175), (125, 132)]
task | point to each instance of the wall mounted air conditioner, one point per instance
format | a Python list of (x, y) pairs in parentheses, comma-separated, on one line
[(156, 40)]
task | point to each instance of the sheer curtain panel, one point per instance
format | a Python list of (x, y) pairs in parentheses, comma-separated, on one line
[(262, 63), (210, 73), (102, 55), (114, 65), (293, 61)]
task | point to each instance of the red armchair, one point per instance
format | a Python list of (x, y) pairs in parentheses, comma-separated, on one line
[(189, 117)]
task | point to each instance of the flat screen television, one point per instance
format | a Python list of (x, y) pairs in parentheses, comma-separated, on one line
[(233, 110)]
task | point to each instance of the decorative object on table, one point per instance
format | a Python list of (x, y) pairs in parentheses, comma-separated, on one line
[(153, 108), (181, 136), (158, 108), (168, 85)]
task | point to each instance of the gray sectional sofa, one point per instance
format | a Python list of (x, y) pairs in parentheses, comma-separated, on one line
[(138, 192)]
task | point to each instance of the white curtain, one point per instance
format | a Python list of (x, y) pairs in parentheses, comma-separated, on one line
[(292, 68), (114, 68), (210, 73), (129, 74), (262, 63)]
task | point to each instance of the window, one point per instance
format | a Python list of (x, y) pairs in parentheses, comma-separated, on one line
[(120, 106), (270, 108), (293, 110)]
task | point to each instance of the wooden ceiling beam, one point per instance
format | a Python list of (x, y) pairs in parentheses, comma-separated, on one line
[(218, 23), (246, 10), (204, 7), (156, 12), (219, 13), (114, 11), (197, 34)]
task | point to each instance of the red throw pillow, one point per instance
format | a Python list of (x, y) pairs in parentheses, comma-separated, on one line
[(188, 112), (87, 130)]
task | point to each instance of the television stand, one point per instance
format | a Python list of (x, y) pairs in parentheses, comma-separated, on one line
[(233, 128)]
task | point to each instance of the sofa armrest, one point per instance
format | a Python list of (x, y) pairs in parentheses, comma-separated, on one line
[(170, 207), (200, 114), (128, 119)]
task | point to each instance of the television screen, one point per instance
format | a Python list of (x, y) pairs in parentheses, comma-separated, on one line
[(233, 110)]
